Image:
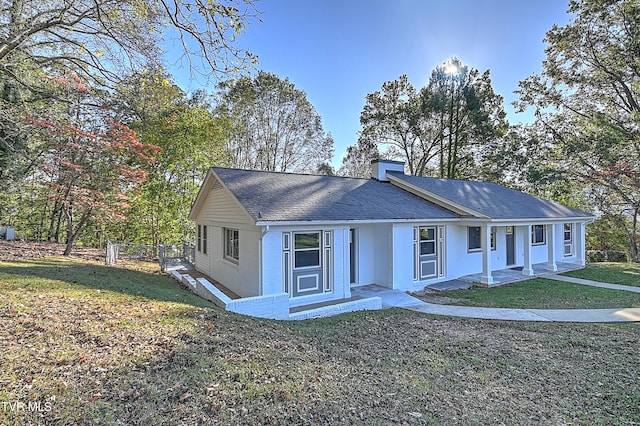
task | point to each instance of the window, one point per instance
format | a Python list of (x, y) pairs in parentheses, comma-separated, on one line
[(306, 246), (538, 234), (427, 241), (493, 238), (474, 238), (204, 239), (232, 245), (568, 239), (199, 237)]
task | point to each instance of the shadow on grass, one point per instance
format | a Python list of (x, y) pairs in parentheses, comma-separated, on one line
[(59, 273)]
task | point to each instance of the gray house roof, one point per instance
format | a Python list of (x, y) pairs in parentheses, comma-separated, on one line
[(288, 197), (272, 196), (491, 200)]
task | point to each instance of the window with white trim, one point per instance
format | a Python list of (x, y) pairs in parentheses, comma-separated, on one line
[(306, 250), (232, 244), (204, 239), (427, 240), (474, 238), (567, 239), (493, 238), (538, 234)]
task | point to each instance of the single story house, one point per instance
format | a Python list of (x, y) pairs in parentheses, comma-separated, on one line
[(283, 241)]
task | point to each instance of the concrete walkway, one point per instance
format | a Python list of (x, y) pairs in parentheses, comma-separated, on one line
[(399, 299)]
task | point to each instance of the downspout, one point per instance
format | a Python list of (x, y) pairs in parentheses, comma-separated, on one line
[(265, 229)]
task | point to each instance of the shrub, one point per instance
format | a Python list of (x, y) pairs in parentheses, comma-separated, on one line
[(616, 256), (594, 256)]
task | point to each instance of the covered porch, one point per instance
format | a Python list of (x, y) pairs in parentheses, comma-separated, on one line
[(503, 276), (531, 248), (514, 274)]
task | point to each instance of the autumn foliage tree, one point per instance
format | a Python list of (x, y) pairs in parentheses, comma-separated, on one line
[(192, 140), (89, 163)]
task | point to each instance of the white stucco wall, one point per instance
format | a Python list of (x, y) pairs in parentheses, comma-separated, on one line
[(272, 274), (273, 266), (382, 254), (403, 256), (366, 254)]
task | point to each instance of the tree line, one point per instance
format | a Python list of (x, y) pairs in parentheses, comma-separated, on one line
[(97, 140)]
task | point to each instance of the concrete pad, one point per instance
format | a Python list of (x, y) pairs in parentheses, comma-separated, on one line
[(390, 298)]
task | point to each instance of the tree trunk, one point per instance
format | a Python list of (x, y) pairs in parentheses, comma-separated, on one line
[(633, 237), (74, 236)]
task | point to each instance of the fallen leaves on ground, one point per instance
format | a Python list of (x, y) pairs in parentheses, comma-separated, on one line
[(116, 357)]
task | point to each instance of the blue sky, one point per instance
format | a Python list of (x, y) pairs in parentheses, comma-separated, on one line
[(339, 51)]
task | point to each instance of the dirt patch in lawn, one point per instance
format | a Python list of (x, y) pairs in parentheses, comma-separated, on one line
[(435, 297), (25, 250)]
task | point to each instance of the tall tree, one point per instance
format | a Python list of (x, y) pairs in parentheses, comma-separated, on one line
[(273, 126), (588, 99), (90, 163), (392, 118), (102, 42), (445, 128), (191, 140), (467, 115), (357, 161)]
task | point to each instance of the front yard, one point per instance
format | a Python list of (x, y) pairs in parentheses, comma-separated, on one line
[(615, 273), (541, 293), (93, 344)]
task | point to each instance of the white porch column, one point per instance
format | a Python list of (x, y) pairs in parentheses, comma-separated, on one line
[(527, 269), (551, 247), (485, 243), (580, 243)]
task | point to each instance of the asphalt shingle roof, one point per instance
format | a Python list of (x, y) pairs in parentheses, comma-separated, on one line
[(492, 200), (271, 196)]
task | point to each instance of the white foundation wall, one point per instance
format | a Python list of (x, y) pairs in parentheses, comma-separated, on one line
[(578, 232), (459, 261), (374, 252), (341, 263)]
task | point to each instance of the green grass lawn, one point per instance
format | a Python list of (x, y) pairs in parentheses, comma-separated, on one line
[(541, 293), (111, 346), (615, 273)]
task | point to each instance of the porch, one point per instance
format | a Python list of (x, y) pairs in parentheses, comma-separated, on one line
[(504, 276)]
